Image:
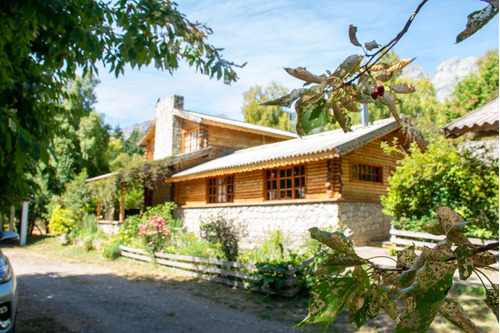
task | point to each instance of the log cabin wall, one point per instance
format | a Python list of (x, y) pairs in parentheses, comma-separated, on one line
[(371, 155), (226, 138)]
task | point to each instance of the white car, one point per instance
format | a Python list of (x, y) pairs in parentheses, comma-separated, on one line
[(8, 286)]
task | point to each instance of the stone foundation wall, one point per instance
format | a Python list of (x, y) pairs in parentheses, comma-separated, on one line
[(257, 222)]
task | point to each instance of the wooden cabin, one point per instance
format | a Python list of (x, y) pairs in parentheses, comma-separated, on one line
[(322, 180), (263, 179)]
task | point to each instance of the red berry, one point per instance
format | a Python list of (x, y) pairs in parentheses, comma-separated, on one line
[(380, 90), (374, 95)]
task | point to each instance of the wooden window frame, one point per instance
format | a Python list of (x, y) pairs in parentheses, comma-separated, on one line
[(220, 189), (371, 173), (187, 140), (283, 185)]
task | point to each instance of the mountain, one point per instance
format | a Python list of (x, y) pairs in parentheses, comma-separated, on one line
[(447, 74), (141, 128)]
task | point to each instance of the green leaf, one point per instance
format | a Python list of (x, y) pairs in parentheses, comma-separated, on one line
[(492, 299), (429, 275), (310, 116), (476, 21), (370, 308), (328, 298), (426, 309), (336, 241), (406, 257), (456, 315), (465, 258), (387, 304)]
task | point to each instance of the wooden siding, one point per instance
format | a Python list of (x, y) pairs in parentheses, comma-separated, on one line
[(235, 140), (249, 186), (370, 154), (316, 181)]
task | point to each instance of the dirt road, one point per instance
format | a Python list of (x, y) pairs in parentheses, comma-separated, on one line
[(88, 298)]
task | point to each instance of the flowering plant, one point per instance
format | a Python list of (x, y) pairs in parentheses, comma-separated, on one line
[(155, 233)]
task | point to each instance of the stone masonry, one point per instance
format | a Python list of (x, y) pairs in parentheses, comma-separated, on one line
[(258, 222), (168, 133)]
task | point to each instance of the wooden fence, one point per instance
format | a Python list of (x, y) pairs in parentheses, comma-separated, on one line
[(401, 238), (227, 272)]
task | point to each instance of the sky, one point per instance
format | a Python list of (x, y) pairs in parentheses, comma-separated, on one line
[(272, 34)]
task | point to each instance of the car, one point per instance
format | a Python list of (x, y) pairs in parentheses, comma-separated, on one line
[(8, 286)]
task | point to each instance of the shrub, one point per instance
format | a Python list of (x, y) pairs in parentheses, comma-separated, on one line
[(155, 233), (61, 221), (128, 234), (444, 176), (111, 250), (222, 234)]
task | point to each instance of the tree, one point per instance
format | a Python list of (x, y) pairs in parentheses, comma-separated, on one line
[(474, 89), (94, 138), (43, 45), (274, 116)]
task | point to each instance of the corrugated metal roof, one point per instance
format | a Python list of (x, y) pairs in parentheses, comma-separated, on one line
[(200, 117), (486, 115), (336, 141)]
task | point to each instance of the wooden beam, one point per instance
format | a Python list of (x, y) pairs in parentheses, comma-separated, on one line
[(122, 204)]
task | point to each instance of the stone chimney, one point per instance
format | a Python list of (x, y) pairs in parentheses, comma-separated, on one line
[(168, 133)]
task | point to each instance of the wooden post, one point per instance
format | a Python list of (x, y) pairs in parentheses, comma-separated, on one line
[(99, 210), (122, 204), (11, 219), (24, 223)]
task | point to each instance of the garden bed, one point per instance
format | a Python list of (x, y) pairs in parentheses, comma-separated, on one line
[(235, 274)]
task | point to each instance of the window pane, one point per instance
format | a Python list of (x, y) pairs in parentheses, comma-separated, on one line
[(289, 194), (289, 172), (282, 183), (289, 183), (275, 184), (282, 173)]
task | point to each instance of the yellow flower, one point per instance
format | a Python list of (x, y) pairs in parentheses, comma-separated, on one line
[(192, 237), (219, 245)]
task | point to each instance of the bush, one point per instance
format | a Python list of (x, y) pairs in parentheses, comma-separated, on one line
[(155, 234), (222, 234), (129, 231), (111, 250), (444, 176), (61, 221)]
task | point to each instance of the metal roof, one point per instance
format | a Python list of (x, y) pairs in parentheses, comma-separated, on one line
[(200, 118), (335, 141), (483, 118)]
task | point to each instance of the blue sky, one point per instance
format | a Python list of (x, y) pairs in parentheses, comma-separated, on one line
[(270, 35)]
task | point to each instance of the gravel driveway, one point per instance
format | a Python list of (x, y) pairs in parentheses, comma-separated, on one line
[(89, 298)]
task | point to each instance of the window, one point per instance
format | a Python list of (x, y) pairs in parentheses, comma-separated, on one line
[(220, 189), (286, 183), (191, 141), (367, 173)]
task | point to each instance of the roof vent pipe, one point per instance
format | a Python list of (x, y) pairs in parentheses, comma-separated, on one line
[(364, 115)]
